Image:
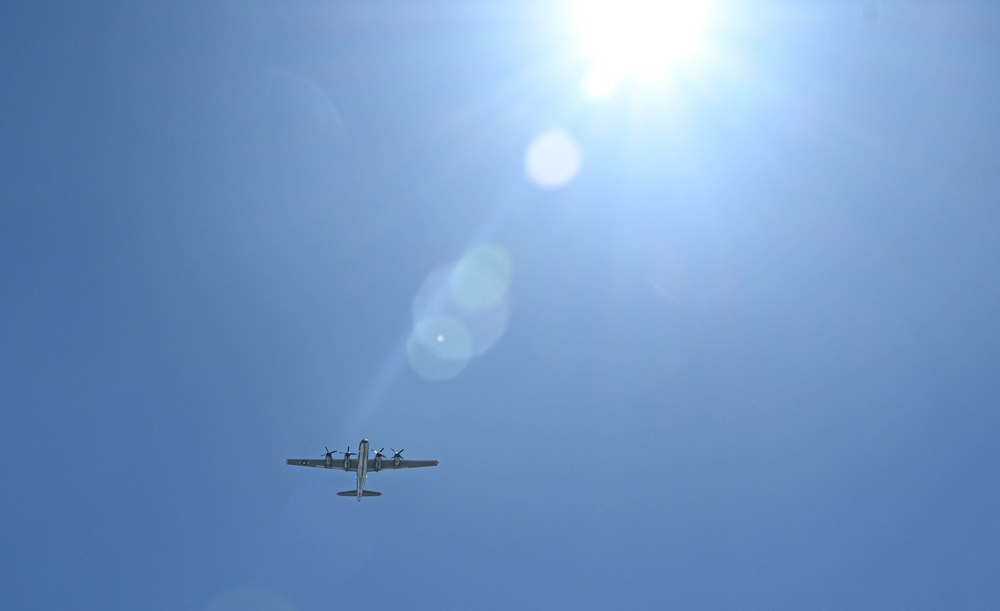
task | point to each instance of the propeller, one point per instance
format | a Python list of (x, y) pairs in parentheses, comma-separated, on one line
[(348, 453), (329, 452), (396, 454), (379, 454)]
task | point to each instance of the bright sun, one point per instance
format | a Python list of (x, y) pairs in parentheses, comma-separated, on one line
[(637, 39)]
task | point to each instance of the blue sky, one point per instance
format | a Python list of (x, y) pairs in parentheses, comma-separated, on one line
[(742, 356)]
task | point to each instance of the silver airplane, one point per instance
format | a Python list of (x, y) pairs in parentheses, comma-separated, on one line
[(362, 465)]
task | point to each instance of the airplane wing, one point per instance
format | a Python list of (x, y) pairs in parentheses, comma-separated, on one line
[(321, 463), (388, 463)]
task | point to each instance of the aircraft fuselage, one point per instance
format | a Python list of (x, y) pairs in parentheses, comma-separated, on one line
[(362, 467)]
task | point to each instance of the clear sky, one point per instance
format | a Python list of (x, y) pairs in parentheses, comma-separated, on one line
[(717, 333)]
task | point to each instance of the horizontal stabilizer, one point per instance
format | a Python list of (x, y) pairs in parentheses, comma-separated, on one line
[(355, 493)]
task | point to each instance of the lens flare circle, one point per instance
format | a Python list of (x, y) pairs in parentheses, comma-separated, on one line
[(553, 159), (460, 311), (439, 348), (481, 278)]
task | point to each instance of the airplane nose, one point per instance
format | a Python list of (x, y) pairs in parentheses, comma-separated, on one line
[(364, 441)]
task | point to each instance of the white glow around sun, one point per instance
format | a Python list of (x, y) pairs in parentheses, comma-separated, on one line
[(637, 39)]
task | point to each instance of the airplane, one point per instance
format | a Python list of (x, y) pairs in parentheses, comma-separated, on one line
[(361, 467)]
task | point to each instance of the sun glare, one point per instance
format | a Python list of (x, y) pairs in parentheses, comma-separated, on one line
[(637, 39)]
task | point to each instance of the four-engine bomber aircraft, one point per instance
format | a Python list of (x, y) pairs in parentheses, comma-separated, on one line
[(361, 465)]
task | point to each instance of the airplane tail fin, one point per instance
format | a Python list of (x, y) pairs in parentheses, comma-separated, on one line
[(355, 493)]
